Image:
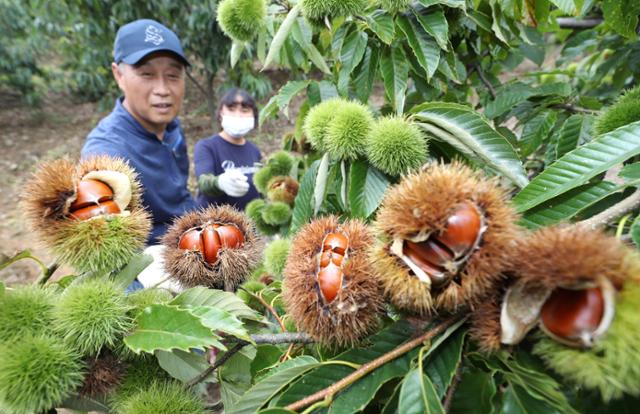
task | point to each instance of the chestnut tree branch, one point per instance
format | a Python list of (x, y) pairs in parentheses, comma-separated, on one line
[(219, 361), (269, 308), (485, 81), (329, 392), (573, 23), (623, 207), (448, 398), (576, 109)]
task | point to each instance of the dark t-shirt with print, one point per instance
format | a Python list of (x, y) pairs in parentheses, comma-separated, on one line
[(214, 155)]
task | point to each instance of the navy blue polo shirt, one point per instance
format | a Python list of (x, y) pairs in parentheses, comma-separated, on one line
[(162, 166), (214, 155)]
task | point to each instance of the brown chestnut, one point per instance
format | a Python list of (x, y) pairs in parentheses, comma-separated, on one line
[(334, 249), (210, 239), (93, 198), (573, 316), (330, 282), (107, 207)]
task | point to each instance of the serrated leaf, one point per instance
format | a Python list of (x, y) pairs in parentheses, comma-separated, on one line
[(281, 35), (303, 207), (165, 327), (567, 6), (418, 395), (475, 393), (460, 4), (621, 16), (227, 301), (395, 70), (136, 265), (321, 183), (569, 204), (351, 54), (264, 390), (436, 25), (183, 366), (471, 134), (580, 165), (380, 343), (305, 43), (382, 25), (507, 97), (443, 363), (269, 110), (288, 92), (365, 74), (366, 189), (517, 401), (423, 46), (221, 320), (535, 131), (635, 231)]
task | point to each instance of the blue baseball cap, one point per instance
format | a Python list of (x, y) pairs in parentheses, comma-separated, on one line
[(139, 38)]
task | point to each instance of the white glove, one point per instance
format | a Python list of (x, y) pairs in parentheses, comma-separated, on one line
[(233, 183), (155, 275)]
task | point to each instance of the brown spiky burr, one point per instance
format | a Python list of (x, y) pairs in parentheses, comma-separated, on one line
[(282, 188), (445, 237), (108, 235), (329, 288), (104, 375), (232, 262)]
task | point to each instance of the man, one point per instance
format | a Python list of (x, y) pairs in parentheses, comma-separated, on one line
[(149, 67)]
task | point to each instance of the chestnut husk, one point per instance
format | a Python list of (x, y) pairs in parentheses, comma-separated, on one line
[(98, 244), (233, 265), (421, 204), (354, 312)]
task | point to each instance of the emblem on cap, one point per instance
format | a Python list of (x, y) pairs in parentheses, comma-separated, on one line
[(153, 35)]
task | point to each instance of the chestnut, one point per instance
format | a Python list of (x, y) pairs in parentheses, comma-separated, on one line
[(438, 258), (94, 198), (576, 317), (329, 275), (208, 240)]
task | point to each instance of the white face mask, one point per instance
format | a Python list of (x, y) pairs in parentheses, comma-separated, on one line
[(237, 126)]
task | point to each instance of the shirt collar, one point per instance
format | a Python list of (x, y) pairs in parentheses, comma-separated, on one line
[(133, 123)]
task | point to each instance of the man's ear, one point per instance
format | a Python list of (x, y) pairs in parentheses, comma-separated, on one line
[(117, 74)]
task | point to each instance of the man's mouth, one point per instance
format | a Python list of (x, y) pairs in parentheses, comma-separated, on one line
[(162, 105)]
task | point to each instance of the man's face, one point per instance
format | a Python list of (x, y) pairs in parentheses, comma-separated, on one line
[(153, 89)]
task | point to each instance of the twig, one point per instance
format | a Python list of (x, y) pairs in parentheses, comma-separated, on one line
[(282, 338), (613, 212), (195, 82), (46, 274), (332, 390), (575, 109), (485, 81), (218, 363), (269, 308), (448, 398), (572, 23)]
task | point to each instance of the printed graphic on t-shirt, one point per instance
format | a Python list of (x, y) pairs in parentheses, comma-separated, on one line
[(245, 169)]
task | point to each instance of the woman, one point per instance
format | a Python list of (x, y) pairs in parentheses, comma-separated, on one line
[(225, 163)]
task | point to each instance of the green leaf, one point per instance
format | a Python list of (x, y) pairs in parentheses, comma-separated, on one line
[(263, 391), (443, 363), (470, 133), (136, 265), (321, 183), (436, 25), (164, 327), (460, 4), (379, 344), (276, 411), (365, 74), (320, 91), (281, 35), (422, 45), (227, 301), (567, 6), (312, 52), (183, 366), (236, 51), (395, 71), (85, 404), (287, 92), (382, 25), (622, 16), (475, 393), (635, 231), (517, 401), (569, 204), (2, 288), (221, 320), (303, 207), (418, 395), (350, 56), (366, 190), (535, 131), (580, 165), (507, 97), (630, 172)]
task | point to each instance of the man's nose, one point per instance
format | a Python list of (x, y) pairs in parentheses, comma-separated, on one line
[(161, 87)]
